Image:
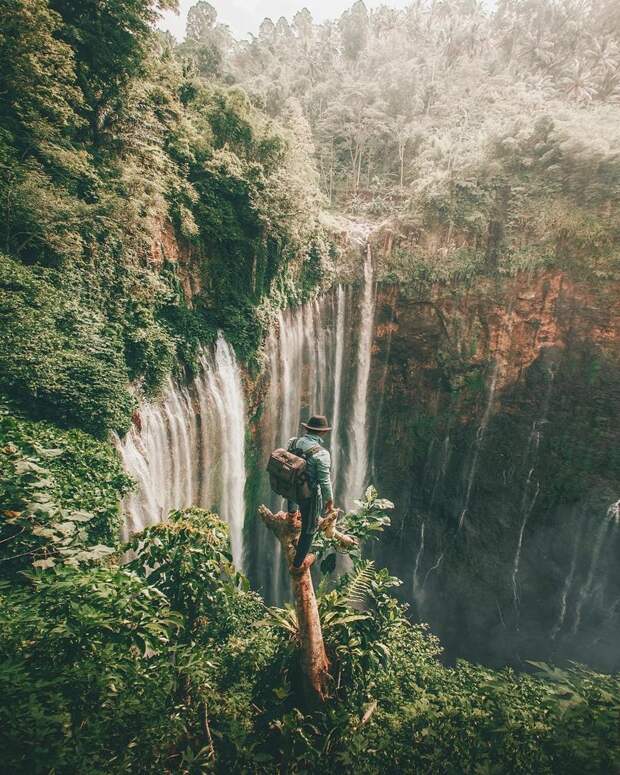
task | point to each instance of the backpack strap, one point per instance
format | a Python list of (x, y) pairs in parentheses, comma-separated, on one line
[(292, 447), (292, 444)]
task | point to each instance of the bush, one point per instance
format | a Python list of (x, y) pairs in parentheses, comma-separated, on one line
[(59, 494), (86, 679)]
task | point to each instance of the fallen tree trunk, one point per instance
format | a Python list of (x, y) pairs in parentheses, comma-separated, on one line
[(314, 660)]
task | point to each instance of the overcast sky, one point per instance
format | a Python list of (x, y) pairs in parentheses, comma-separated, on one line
[(244, 16)]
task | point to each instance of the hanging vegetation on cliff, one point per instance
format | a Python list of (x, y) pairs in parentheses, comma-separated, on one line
[(106, 143)]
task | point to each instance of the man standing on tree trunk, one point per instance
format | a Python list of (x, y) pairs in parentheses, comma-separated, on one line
[(318, 461)]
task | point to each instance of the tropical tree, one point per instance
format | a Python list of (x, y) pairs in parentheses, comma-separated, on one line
[(110, 41), (201, 19), (332, 539)]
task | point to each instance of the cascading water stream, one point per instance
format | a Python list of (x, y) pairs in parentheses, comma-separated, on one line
[(355, 480), (443, 468), (382, 386), (226, 389), (531, 491), (416, 567), (609, 525), (480, 434), (318, 357), (338, 364), (527, 506), (189, 449), (568, 583)]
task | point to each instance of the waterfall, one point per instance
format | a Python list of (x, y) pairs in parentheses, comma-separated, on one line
[(189, 449), (609, 523), (306, 371), (433, 568), (442, 469), (568, 583), (382, 384), (526, 510), (528, 502), (358, 429), (316, 357), (416, 568), (338, 365), (224, 381), (480, 434)]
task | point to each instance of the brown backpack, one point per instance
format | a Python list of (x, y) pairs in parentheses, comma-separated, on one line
[(288, 472)]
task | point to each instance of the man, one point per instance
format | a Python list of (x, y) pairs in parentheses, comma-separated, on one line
[(310, 446)]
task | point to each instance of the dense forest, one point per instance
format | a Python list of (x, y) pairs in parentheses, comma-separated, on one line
[(157, 197)]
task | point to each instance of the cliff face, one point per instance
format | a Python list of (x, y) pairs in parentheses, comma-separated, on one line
[(168, 247), (496, 431)]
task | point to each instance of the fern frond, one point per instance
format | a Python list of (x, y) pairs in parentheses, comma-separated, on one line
[(358, 585), (283, 618)]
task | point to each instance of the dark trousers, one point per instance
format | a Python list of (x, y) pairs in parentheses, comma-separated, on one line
[(309, 524)]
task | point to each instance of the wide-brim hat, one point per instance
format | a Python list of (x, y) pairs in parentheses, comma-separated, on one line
[(317, 423)]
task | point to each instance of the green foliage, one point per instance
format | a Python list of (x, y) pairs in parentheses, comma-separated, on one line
[(37, 79), (187, 558), (396, 708), (171, 665), (86, 680), (162, 209), (111, 42), (363, 525), (469, 719), (250, 211), (56, 357), (540, 196), (59, 493), (356, 618)]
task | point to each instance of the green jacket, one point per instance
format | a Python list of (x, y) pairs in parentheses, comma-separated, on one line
[(319, 464)]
